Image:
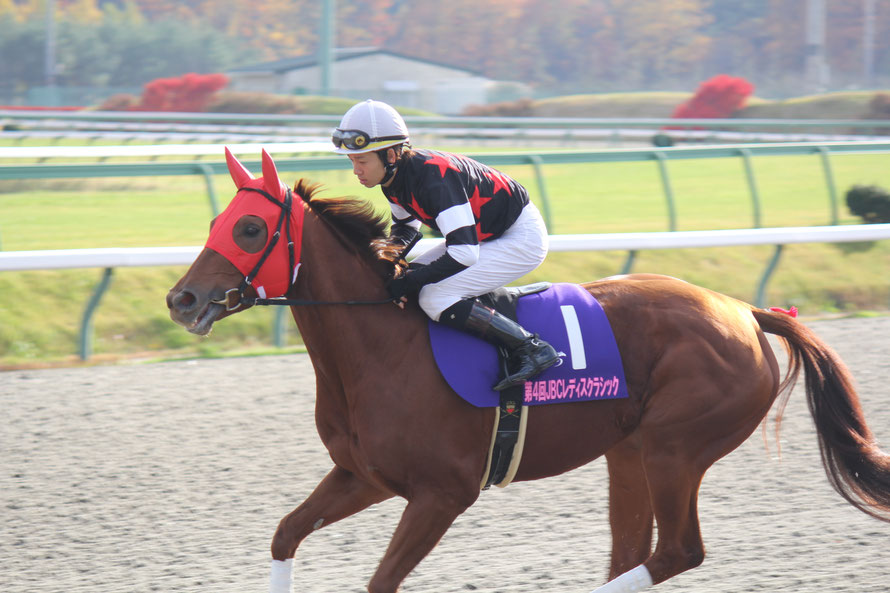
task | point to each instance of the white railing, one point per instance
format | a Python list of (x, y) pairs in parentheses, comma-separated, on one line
[(155, 150), (312, 140), (168, 256), (723, 238), (110, 258)]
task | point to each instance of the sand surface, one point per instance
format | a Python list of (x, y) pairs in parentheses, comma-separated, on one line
[(173, 477)]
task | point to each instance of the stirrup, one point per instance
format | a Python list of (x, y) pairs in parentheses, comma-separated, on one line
[(531, 367)]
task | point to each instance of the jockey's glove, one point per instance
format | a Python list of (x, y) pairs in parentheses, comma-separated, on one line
[(418, 275), (403, 285), (405, 235)]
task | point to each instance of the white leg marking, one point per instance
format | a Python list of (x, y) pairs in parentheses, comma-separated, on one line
[(280, 576), (632, 581)]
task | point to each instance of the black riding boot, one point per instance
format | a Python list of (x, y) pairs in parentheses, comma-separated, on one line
[(528, 353)]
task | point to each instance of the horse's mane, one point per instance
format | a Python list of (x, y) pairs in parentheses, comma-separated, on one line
[(355, 219)]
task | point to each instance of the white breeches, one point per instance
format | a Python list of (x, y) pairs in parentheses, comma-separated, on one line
[(501, 261)]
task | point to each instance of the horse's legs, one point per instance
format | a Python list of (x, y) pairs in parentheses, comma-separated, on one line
[(673, 486), (675, 453), (339, 495), (630, 509), (675, 458), (424, 522), (673, 491)]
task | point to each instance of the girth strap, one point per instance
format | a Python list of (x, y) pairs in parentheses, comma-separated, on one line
[(508, 438)]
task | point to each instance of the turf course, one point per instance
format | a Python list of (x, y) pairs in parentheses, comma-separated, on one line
[(40, 311)]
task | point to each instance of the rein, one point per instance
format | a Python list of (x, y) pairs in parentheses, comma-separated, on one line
[(302, 302)]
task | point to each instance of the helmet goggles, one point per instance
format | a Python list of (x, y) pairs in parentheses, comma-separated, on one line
[(359, 140)]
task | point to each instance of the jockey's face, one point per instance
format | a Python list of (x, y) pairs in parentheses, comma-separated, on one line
[(368, 167)]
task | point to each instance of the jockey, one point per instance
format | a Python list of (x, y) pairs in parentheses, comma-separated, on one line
[(493, 233)]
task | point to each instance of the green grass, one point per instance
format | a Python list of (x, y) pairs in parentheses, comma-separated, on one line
[(40, 311)]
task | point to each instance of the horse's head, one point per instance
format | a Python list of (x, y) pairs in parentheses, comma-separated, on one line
[(253, 250)]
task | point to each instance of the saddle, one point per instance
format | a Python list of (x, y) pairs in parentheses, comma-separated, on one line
[(504, 300), (573, 322)]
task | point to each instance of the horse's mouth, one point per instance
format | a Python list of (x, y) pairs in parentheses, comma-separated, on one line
[(204, 321)]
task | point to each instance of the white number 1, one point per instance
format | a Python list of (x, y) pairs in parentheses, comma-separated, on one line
[(576, 342)]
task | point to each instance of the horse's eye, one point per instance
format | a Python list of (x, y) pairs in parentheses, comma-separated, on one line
[(252, 230)]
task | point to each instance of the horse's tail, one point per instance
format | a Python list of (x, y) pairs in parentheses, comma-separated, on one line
[(856, 466)]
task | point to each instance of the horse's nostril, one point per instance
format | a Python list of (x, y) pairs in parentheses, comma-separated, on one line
[(184, 301)]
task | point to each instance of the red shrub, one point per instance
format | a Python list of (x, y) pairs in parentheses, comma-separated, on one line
[(717, 97), (190, 92)]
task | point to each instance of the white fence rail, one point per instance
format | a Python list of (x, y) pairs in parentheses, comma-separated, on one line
[(269, 127), (156, 150), (722, 238), (110, 258), (169, 256), (312, 140)]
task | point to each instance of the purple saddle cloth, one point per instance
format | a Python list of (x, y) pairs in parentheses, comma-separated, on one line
[(572, 321)]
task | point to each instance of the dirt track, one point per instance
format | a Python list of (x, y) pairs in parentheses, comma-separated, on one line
[(164, 477)]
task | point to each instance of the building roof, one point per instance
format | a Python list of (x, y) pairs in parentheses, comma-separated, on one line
[(339, 55)]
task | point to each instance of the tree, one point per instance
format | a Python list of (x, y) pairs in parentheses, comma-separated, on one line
[(121, 50), (739, 32), (26, 41), (561, 45), (660, 42)]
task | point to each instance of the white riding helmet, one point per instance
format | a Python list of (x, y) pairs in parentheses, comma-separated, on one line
[(369, 126)]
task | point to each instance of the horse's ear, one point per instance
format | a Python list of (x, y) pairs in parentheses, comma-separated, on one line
[(240, 174), (270, 176)]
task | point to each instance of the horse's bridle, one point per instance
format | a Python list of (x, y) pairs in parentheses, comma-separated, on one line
[(239, 299), (286, 209)]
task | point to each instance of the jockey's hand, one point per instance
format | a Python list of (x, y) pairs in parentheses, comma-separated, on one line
[(410, 282), (399, 287)]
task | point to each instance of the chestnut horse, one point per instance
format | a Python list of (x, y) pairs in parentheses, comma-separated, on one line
[(700, 374)]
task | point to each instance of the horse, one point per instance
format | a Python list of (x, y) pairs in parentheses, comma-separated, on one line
[(700, 375)]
